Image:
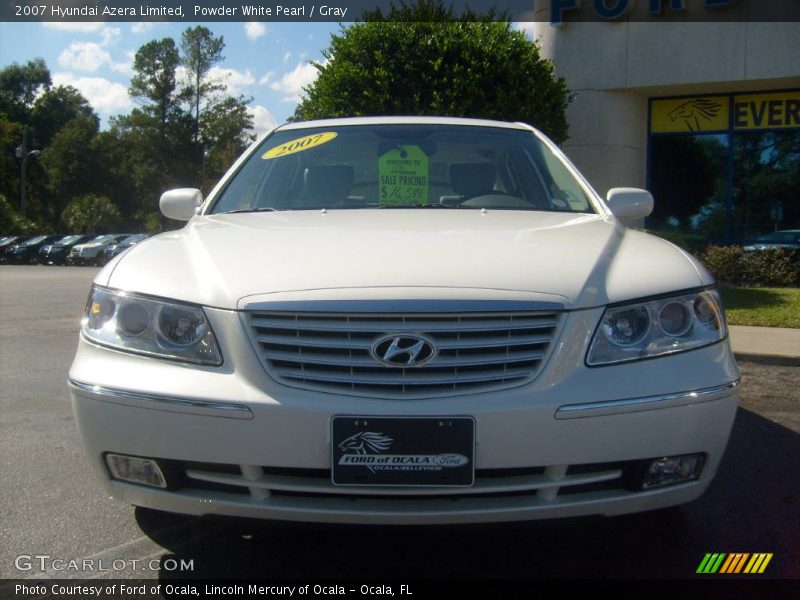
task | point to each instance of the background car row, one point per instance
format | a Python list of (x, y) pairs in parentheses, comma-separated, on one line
[(72, 249)]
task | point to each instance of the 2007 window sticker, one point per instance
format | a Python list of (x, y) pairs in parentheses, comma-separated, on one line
[(299, 145)]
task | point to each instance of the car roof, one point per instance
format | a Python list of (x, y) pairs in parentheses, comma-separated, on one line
[(354, 121)]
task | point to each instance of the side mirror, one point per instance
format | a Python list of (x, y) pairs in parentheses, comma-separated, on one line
[(629, 203), (180, 204)]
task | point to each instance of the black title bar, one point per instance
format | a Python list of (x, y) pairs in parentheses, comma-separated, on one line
[(556, 12)]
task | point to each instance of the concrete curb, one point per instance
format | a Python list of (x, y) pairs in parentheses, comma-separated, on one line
[(769, 359)]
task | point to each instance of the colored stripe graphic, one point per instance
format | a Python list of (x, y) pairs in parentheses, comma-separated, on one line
[(758, 563), (711, 563), (703, 563), (733, 563)]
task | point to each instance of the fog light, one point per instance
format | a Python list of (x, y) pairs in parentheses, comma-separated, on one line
[(136, 470), (673, 469)]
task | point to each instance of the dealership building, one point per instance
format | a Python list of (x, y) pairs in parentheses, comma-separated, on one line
[(704, 114)]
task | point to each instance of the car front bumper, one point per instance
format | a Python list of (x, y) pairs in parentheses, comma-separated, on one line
[(240, 444)]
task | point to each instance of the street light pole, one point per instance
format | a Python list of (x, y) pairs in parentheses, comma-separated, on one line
[(23, 153)]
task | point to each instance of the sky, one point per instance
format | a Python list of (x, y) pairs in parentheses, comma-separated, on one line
[(266, 61)]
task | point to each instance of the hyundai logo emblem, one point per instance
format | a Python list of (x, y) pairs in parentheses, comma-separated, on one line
[(403, 350)]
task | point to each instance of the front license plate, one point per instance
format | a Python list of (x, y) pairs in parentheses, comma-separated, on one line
[(403, 451)]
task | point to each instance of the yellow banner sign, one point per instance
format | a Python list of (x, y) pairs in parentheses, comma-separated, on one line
[(767, 111), (684, 115)]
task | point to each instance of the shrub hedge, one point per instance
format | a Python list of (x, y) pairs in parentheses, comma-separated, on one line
[(772, 267)]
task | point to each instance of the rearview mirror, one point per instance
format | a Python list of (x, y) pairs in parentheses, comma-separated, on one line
[(629, 203), (180, 204)]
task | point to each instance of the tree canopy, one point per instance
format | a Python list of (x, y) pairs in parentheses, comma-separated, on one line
[(184, 132), (421, 60)]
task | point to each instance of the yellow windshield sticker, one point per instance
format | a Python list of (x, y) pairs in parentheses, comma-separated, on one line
[(300, 144), (403, 176)]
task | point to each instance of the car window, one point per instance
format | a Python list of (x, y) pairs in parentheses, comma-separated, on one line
[(100, 239), (397, 166), (36, 240), (787, 237)]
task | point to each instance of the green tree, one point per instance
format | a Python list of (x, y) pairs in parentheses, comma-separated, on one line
[(419, 60), (201, 50), (12, 222), (220, 121), (19, 86), (70, 165), (224, 129), (54, 109), (10, 138), (154, 81), (153, 145), (141, 164), (91, 214)]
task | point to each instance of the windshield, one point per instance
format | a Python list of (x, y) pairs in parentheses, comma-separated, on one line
[(101, 239), (133, 239), (403, 166), (787, 237), (69, 239), (36, 240)]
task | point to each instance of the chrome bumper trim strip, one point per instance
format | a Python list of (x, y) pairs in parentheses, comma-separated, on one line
[(616, 407), (207, 408)]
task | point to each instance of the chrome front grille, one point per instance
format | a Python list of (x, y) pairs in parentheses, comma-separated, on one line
[(475, 352)]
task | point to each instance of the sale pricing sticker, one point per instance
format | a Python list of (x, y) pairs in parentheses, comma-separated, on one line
[(403, 176), (299, 145)]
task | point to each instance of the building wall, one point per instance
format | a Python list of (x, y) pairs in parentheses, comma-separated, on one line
[(615, 67)]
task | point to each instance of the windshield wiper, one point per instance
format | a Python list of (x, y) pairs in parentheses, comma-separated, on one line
[(249, 210), (422, 206)]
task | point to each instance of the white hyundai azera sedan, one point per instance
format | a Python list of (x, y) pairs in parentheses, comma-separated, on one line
[(404, 320)]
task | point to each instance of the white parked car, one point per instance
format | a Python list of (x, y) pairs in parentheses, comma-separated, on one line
[(89, 252), (404, 320)]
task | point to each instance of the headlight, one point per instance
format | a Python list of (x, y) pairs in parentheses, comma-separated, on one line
[(143, 325), (654, 328)]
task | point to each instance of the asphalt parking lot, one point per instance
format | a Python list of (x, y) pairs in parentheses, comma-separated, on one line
[(50, 505)]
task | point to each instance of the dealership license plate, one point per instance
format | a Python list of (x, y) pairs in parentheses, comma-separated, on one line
[(403, 451)]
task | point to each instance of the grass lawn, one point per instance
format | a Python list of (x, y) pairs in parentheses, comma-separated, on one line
[(765, 307)]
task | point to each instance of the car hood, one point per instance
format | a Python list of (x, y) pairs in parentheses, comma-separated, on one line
[(577, 260)]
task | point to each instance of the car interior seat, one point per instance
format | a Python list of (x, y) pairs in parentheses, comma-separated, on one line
[(326, 185), (469, 180)]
